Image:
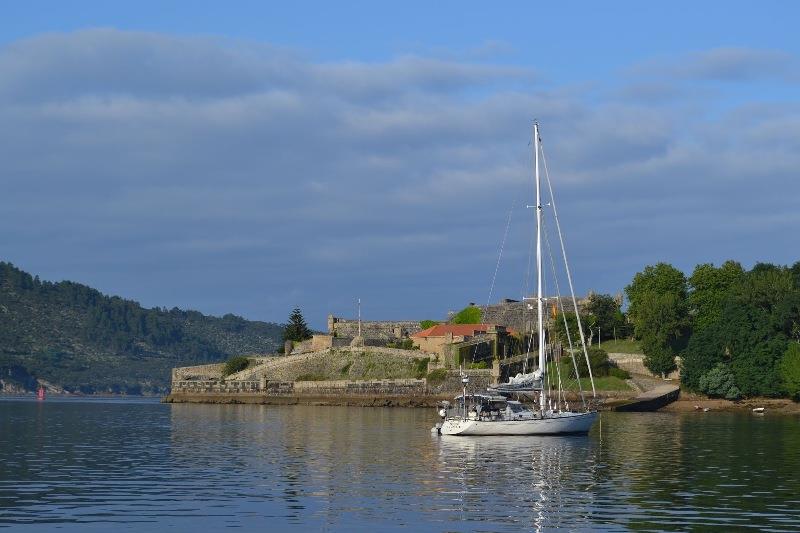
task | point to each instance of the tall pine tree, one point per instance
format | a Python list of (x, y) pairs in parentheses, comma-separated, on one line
[(296, 329)]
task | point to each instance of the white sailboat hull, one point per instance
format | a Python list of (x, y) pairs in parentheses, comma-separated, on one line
[(556, 424)]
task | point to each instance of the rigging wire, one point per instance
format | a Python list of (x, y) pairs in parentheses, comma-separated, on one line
[(500, 255), (569, 274), (564, 318), (497, 266), (547, 344)]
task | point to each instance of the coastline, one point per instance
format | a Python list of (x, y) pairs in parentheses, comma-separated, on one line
[(605, 401), (688, 402)]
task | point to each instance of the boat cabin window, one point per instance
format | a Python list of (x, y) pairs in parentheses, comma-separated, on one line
[(516, 407)]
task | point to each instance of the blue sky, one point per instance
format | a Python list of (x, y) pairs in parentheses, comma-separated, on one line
[(250, 157)]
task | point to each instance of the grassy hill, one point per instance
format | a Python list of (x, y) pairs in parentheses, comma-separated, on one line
[(81, 340)]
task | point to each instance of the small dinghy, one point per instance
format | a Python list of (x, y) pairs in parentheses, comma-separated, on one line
[(758, 410)]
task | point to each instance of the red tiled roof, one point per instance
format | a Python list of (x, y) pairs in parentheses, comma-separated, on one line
[(458, 330)]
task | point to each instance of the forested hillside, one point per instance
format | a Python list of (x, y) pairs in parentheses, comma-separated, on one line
[(79, 339)]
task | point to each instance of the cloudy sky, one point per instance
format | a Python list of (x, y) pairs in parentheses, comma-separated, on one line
[(249, 158)]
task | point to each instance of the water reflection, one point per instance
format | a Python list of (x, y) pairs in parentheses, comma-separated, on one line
[(523, 481), (99, 465)]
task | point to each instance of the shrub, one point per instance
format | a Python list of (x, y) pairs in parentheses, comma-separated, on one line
[(425, 324), (436, 377), (469, 315), (421, 367), (598, 358), (789, 367), (479, 365), (618, 373), (719, 382), (311, 377), (405, 344), (235, 364)]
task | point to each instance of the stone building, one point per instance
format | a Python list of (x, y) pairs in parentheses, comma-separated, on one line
[(466, 343)]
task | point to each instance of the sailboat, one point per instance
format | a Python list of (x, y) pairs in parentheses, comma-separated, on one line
[(494, 413)]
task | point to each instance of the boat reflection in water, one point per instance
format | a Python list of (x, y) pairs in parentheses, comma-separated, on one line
[(544, 482)]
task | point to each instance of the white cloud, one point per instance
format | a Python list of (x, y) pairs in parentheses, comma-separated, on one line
[(239, 159)]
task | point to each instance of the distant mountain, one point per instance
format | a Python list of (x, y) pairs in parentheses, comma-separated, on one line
[(75, 338)]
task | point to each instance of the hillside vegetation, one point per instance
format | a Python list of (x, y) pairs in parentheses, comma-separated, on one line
[(81, 340)]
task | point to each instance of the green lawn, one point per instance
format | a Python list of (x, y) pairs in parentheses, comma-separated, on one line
[(621, 346), (606, 383)]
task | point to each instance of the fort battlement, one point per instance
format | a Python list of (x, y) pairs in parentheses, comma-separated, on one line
[(372, 329)]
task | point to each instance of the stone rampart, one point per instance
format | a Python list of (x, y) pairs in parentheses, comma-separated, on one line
[(325, 342), (381, 387), (199, 372), (517, 315), (479, 380), (372, 329), (229, 387)]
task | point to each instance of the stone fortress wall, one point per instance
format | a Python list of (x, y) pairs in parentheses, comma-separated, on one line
[(372, 329), (521, 315), (198, 372)]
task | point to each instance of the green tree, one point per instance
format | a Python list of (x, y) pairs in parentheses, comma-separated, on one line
[(560, 332), (469, 315), (659, 312), (296, 329), (604, 312), (755, 326), (659, 279), (790, 371), (705, 350), (709, 287), (759, 316), (795, 269)]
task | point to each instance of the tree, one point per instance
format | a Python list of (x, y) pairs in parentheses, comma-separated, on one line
[(560, 331), (659, 358), (758, 317), (469, 315), (790, 371), (659, 279), (658, 310), (296, 329), (705, 350), (709, 287), (604, 312), (755, 327)]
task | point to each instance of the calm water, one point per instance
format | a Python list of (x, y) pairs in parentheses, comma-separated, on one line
[(100, 465)]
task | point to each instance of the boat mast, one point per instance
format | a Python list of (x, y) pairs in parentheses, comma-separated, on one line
[(539, 296)]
